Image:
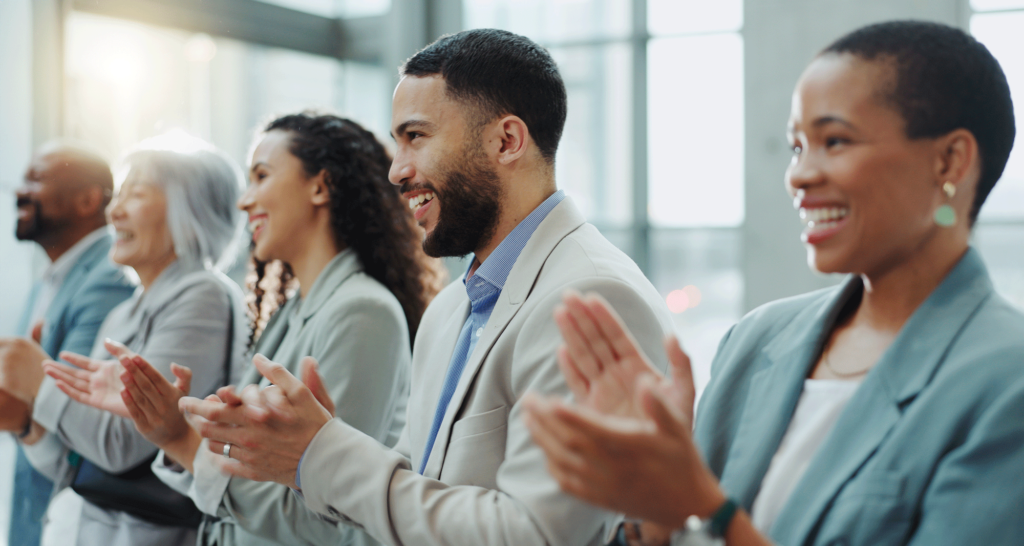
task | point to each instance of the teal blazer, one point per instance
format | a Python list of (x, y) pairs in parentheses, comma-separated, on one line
[(930, 449)]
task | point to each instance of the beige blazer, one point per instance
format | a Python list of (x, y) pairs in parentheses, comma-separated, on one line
[(486, 482)]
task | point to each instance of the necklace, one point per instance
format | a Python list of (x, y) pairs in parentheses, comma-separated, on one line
[(828, 364)]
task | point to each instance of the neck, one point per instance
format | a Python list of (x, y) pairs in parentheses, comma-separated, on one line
[(521, 198), (311, 260), (892, 296), (149, 272), (56, 245)]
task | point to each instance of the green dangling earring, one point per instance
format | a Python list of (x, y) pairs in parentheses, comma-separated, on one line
[(945, 216)]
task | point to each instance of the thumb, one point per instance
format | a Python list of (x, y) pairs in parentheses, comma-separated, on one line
[(117, 350), (184, 378), (278, 375), (665, 417), (37, 332), (311, 378), (682, 387)]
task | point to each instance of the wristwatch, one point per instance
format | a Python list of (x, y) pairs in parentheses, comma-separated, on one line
[(706, 532)]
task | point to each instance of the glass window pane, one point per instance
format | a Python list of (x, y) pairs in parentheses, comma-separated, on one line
[(695, 130), (989, 5), (1000, 245), (1000, 32), (551, 21), (698, 273), (336, 8), (682, 16), (594, 161), (127, 81)]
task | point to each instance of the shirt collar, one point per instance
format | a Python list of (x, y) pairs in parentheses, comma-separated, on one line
[(59, 269), (492, 274)]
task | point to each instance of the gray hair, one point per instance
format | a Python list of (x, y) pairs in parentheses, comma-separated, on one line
[(202, 185)]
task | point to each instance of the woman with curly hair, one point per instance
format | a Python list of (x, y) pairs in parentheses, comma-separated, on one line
[(329, 228)]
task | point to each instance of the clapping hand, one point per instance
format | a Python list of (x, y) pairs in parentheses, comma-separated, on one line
[(269, 428), (627, 444), (93, 382), (21, 371)]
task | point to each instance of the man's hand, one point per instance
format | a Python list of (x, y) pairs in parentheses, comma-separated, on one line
[(21, 367), (268, 429), (602, 362), (14, 414)]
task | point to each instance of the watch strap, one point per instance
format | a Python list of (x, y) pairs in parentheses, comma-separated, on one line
[(718, 524)]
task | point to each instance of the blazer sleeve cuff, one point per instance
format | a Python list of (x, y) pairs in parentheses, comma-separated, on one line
[(347, 477), (47, 455), (210, 484), (49, 405), (172, 474)]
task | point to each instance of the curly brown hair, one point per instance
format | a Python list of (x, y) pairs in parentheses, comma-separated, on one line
[(367, 214)]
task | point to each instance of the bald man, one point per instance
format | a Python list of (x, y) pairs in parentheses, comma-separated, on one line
[(61, 207)]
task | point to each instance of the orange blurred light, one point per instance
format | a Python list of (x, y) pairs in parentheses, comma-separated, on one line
[(693, 293), (677, 301)]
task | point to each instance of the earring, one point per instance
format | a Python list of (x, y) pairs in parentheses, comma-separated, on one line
[(945, 216)]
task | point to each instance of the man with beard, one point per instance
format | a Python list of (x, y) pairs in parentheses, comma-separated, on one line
[(477, 118), (61, 207)]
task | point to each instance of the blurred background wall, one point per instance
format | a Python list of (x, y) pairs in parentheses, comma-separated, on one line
[(674, 146)]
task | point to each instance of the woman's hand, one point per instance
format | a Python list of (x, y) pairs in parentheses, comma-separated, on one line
[(646, 468), (94, 383), (602, 362), (152, 402)]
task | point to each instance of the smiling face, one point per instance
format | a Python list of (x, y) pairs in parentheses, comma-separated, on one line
[(139, 216), (277, 199), (865, 191), (453, 190)]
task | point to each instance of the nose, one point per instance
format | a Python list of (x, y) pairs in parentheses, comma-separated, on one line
[(803, 172), (114, 210), (402, 169), (246, 200)]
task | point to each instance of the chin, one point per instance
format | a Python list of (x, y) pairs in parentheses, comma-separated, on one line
[(825, 262)]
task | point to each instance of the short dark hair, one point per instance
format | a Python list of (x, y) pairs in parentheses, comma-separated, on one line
[(500, 73), (945, 80)]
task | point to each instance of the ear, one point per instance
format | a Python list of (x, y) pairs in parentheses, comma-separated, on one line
[(958, 160), (88, 202), (319, 194), (514, 138)]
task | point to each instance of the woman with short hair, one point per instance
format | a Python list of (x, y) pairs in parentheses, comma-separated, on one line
[(174, 222), (884, 411)]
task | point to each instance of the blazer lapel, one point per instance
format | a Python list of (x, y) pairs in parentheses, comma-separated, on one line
[(52, 322), (561, 221), (904, 369), (774, 393)]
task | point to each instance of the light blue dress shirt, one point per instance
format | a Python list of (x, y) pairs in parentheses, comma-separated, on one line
[(483, 289)]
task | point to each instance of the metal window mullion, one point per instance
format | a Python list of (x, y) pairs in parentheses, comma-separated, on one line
[(641, 219)]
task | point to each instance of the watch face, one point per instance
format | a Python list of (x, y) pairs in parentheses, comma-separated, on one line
[(696, 533)]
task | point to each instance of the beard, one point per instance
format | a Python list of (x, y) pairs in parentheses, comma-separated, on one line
[(470, 205), (31, 228)]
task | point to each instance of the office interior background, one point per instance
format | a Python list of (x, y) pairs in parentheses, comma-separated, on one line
[(674, 147)]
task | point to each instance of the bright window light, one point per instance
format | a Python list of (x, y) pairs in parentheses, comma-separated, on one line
[(692, 16), (992, 5), (1000, 32), (695, 131)]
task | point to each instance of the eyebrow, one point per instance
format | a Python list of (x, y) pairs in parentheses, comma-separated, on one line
[(257, 164), (411, 124), (826, 120)]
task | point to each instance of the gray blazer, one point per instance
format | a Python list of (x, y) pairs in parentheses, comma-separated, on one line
[(928, 450), (357, 331), (182, 318), (486, 482)]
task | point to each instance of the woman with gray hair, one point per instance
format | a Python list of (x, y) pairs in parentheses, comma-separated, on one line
[(175, 221)]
